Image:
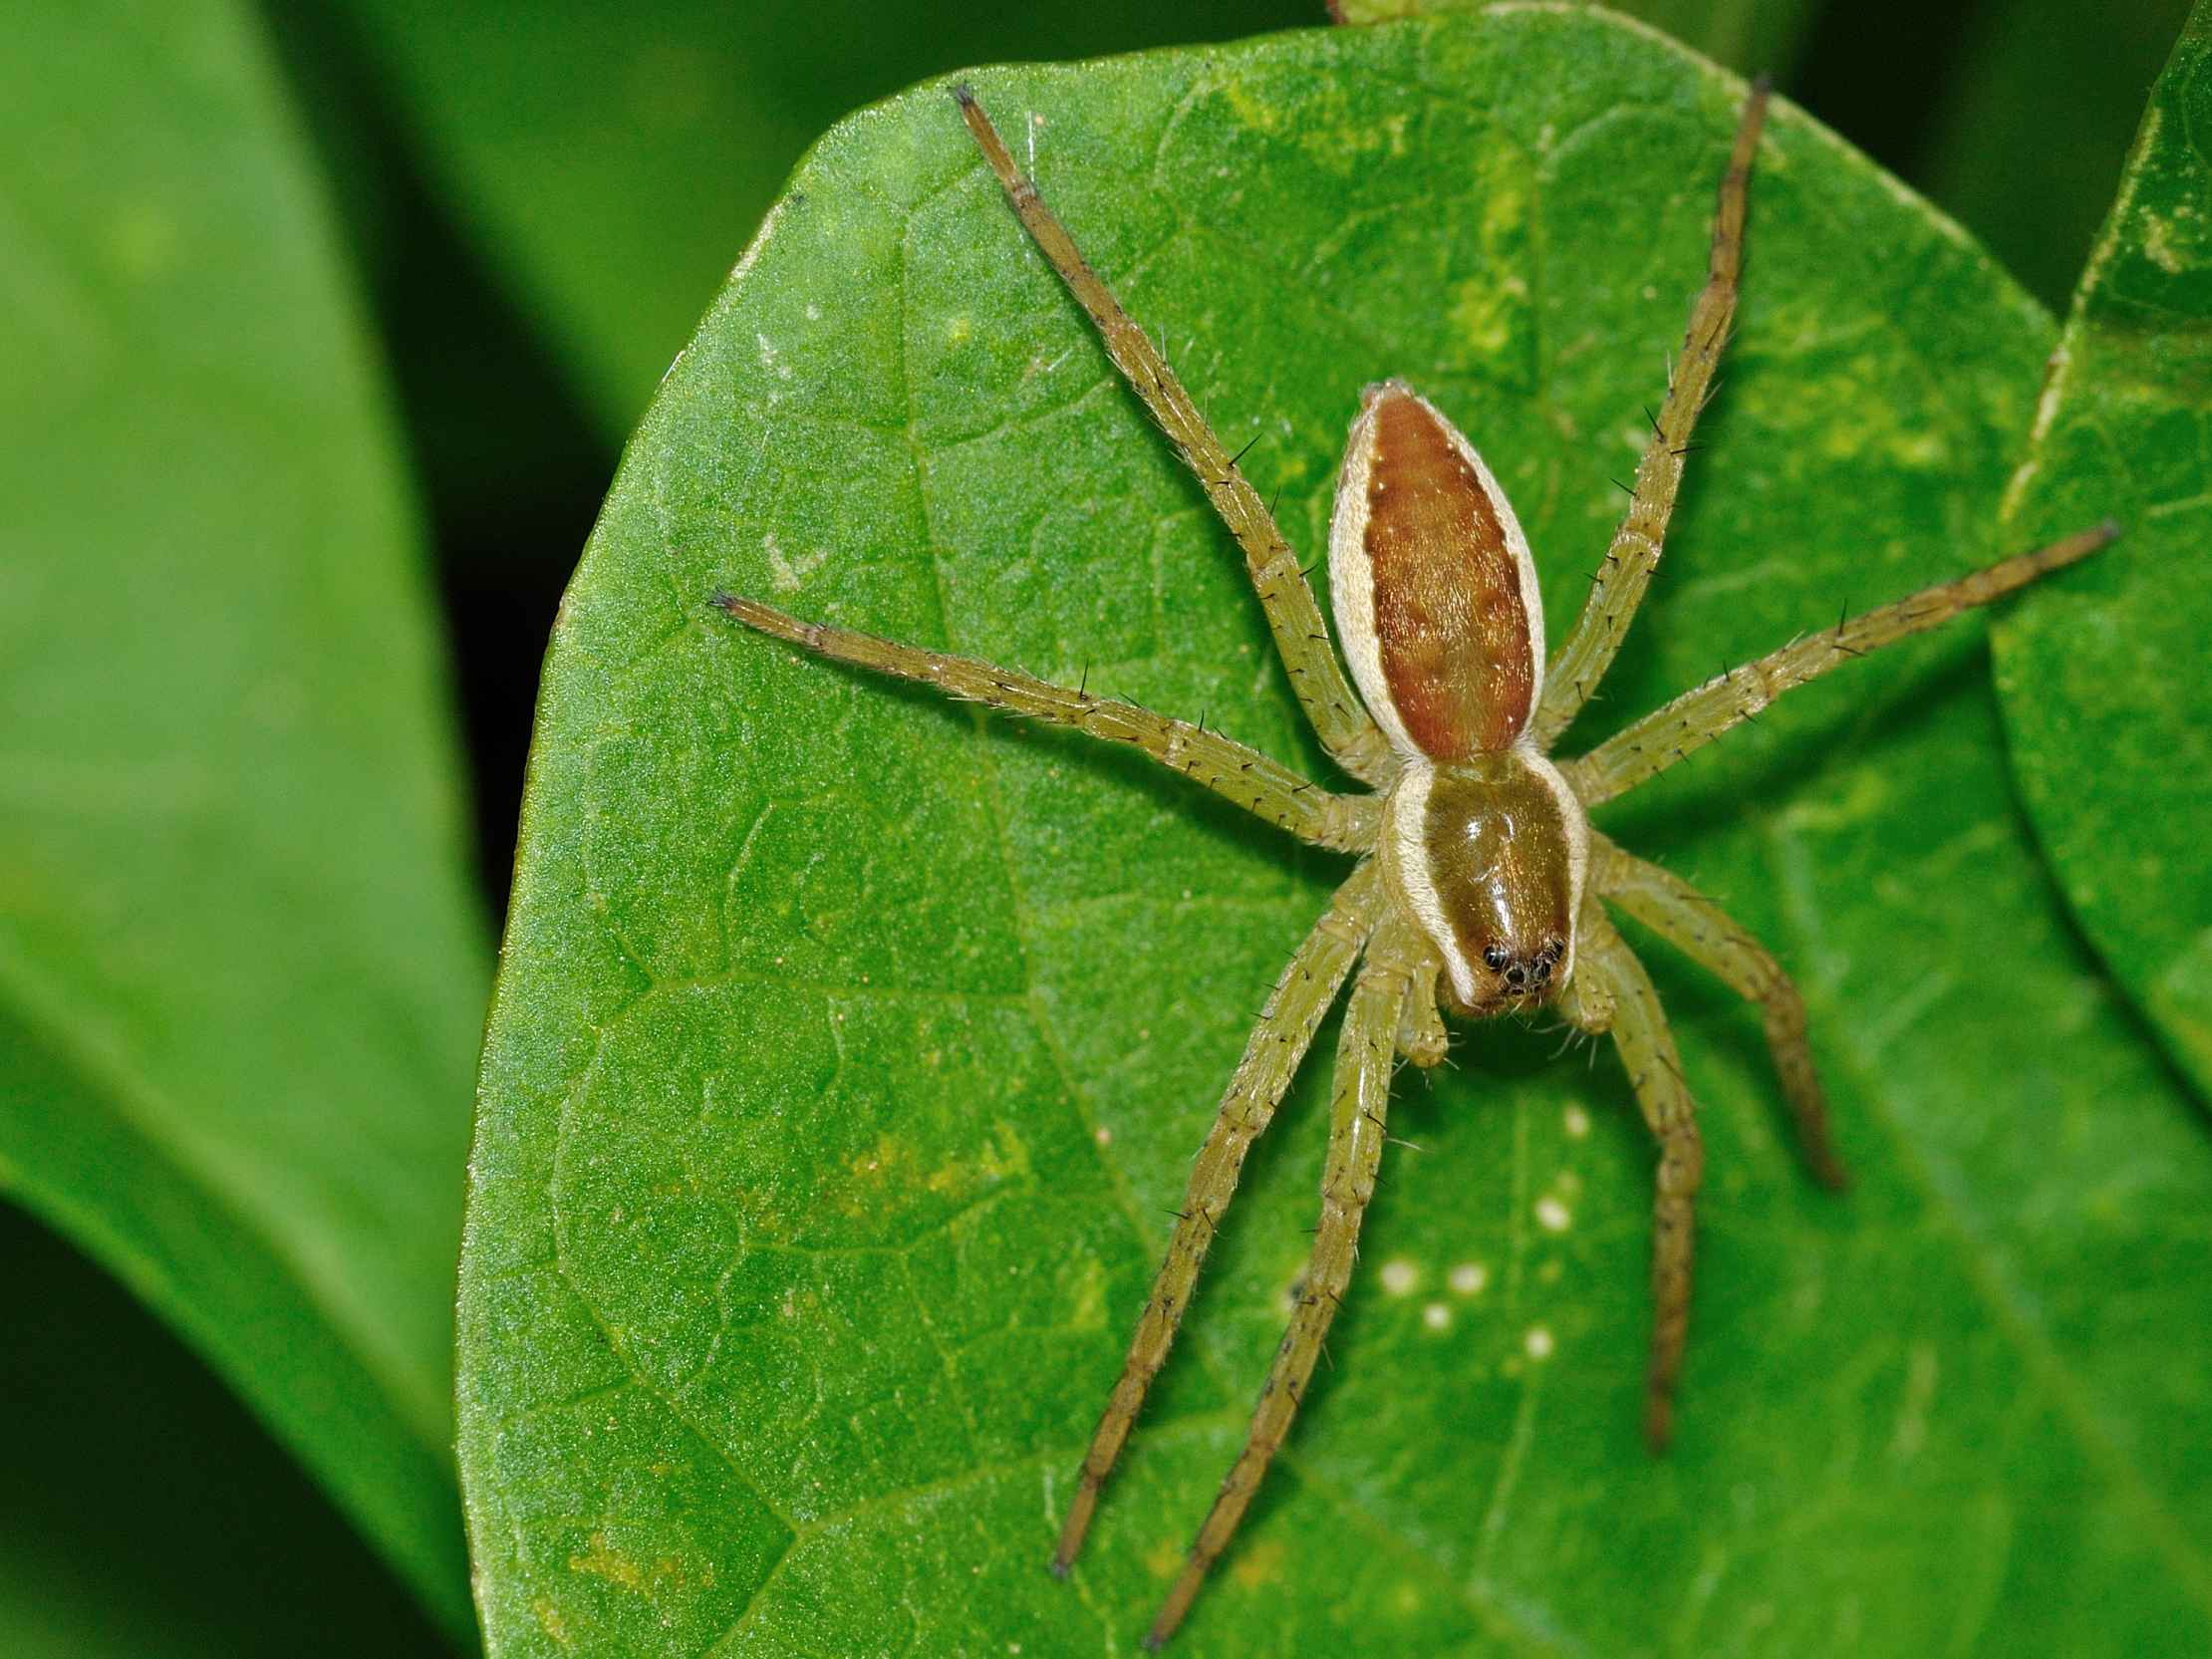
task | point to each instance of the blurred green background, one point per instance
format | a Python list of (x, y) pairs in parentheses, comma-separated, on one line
[(533, 207)]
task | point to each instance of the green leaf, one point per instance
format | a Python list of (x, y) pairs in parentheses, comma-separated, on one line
[(239, 965), (1750, 35), (2105, 694), (850, 1049)]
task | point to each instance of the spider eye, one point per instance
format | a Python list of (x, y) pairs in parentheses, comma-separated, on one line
[(1494, 957), (1515, 974)]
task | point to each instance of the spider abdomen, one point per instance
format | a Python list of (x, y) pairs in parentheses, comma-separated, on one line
[(1434, 588), (1488, 856)]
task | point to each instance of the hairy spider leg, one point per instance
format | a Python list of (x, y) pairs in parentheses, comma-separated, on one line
[(1263, 787), (1630, 1009), (1618, 587), (1273, 1053), (1338, 718), (1366, 1055), (1693, 719), (1697, 927)]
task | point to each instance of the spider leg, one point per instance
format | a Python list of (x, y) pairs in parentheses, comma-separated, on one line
[(1695, 717), (1366, 1053), (1338, 718), (1697, 927), (1278, 1045), (1618, 588), (1624, 996), (1262, 786)]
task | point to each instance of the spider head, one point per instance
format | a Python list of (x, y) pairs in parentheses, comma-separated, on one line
[(1522, 975), (1488, 858)]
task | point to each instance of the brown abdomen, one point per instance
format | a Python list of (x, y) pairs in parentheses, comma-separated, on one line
[(1451, 622)]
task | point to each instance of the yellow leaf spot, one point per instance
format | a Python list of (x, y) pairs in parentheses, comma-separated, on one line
[(550, 1621), (605, 1563), (1260, 1565), (1163, 1560)]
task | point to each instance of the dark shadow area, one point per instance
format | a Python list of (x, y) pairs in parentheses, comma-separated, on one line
[(144, 1510), (1882, 76), (509, 467)]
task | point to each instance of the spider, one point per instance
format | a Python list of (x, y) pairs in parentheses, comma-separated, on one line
[(1479, 877)]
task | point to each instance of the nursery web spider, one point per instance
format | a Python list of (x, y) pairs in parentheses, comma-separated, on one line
[(1479, 877)]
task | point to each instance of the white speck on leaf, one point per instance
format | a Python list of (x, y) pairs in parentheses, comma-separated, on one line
[(785, 572)]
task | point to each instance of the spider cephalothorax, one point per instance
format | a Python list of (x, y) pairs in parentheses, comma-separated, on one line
[(1479, 882), (1489, 857)]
